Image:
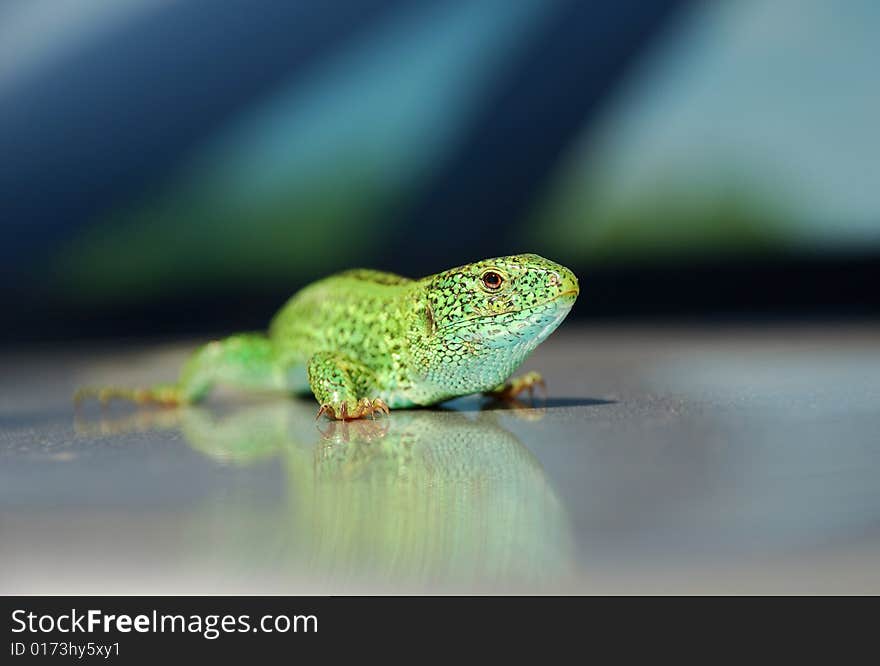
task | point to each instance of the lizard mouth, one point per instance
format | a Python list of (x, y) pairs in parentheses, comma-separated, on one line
[(533, 308)]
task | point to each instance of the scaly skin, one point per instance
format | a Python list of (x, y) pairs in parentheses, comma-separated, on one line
[(365, 341)]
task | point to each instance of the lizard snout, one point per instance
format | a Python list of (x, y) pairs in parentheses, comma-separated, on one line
[(563, 284)]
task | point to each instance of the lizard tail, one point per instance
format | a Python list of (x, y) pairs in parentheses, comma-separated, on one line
[(245, 360), (166, 395)]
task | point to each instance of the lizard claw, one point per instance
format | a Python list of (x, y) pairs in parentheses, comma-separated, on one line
[(327, 409)]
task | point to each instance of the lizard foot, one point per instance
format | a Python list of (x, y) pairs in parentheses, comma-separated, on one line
[(365, 407), (517, 385)]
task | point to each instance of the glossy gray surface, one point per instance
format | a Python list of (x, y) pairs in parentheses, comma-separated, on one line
[(665, 460)]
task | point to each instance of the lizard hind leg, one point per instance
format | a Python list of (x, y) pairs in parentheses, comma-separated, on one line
[(166, 395), (245, 361), (341, 386)]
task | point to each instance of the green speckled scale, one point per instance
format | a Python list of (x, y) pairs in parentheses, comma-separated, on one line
[(364, 341)]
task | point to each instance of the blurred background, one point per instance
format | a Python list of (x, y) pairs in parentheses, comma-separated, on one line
[(175, 167)]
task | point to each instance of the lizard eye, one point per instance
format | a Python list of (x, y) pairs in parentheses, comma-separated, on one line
[(492, 280)]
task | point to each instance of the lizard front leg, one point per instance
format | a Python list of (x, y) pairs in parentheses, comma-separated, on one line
[(341, 386), (509, 390)]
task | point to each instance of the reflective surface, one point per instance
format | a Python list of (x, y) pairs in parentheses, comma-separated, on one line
[(662, 461)]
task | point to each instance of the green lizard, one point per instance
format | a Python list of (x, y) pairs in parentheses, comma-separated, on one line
[(365, 341)]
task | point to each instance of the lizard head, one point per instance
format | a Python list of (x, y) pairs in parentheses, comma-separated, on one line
[(484, 318)]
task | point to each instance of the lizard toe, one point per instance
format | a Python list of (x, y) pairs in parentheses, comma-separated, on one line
[(327, 409)]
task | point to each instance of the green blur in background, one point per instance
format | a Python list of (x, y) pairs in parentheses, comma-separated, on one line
[(732, 135)]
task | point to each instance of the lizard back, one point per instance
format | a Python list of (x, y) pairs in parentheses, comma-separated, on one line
[(359, 312)]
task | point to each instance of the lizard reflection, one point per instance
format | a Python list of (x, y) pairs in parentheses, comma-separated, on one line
[(422, 497)]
